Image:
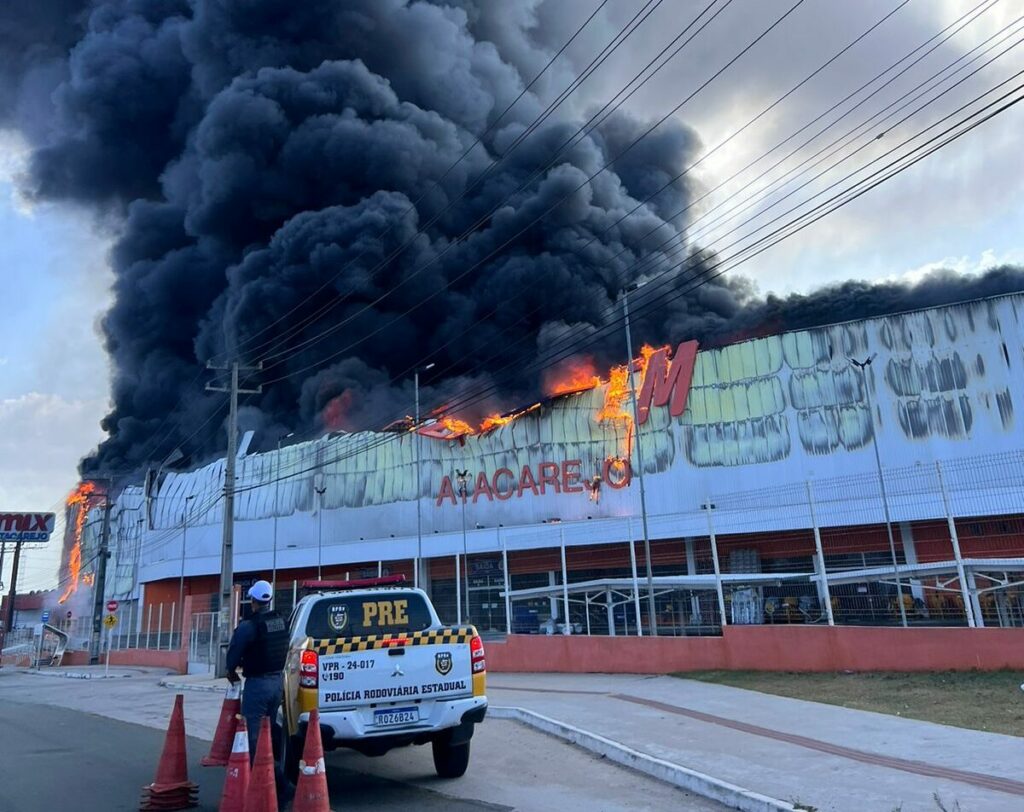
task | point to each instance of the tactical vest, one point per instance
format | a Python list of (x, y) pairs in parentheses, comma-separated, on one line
[(267, 653)]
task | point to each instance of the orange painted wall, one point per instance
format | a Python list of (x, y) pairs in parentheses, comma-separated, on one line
[(767, 648)]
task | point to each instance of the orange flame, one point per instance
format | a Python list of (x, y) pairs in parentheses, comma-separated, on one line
[(577, 375), (493, 421), (616, 409), (456, 426), (84, 497), (574, 375)]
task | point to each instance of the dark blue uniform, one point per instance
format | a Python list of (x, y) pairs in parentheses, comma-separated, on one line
[(259, 647)]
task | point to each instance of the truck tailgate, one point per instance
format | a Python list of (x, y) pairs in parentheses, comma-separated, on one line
[(412, 668)]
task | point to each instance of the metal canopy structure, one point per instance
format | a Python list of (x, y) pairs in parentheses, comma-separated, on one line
[(664, 582), (935, 569)]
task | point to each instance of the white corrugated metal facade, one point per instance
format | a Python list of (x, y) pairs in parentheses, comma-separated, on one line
[(772, 412)]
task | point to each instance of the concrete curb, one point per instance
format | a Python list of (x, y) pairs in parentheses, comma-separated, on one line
[(675, 774), (73, 674), (191, 686)]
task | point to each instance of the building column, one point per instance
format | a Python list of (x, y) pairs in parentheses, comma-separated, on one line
[(910, 556), (424, 575), (553, 581), (691, 569)]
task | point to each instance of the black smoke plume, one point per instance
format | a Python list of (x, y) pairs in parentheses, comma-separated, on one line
[(268, 165)]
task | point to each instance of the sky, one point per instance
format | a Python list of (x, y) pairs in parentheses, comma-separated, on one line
[(963, 208)]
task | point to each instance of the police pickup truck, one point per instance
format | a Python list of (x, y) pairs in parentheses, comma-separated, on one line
[(384, 672)]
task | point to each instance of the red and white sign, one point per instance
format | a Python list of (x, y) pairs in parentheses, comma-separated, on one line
[(112, 606), (23, 527), (667, 382)]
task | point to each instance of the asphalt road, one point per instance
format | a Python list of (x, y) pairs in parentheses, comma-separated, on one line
[(67, 761), (60, 751)]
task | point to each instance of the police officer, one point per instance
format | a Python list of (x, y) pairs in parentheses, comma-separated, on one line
[(259, 647)]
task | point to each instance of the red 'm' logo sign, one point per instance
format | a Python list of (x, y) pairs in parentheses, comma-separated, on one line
[(667, 381)]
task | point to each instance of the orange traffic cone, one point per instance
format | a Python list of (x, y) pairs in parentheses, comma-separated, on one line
[(261, 796), (311, 791), (220, 750), (171, 789), (236, 778)]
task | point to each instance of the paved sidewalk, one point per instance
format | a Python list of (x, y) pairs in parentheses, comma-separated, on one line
[(831, 758), (824, 756)]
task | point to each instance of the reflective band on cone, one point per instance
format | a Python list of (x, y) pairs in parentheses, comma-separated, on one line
[(236, 778), (311, 790)]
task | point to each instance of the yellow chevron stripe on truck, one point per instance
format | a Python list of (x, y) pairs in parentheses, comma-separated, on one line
[(346, 645)]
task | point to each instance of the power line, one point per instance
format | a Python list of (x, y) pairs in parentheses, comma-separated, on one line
[(899, 165), (533, 222), (613, 45), (581, 132)]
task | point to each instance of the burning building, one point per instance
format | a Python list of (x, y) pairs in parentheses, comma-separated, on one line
[(761, 451)]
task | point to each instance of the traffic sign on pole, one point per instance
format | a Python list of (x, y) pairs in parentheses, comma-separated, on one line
[(112, 606), (110, 621), (46, 617)]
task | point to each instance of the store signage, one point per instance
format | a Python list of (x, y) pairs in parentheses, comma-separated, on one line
[(27, 527)]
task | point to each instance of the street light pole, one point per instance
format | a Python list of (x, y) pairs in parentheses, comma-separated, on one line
[(862, 366), (651, 612), (320, 532), (416, 456), (181, 577), (277, 494), (463, 478)]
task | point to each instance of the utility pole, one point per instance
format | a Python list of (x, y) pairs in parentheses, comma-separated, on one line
[(652, 619), (11, 597), (863, 367), (100, 587), (416, 456), (227, 561)]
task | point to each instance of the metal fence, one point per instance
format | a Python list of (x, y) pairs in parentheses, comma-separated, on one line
[(800, 553)]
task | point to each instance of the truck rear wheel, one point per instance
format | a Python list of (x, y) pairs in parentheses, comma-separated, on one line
[(450, 760)]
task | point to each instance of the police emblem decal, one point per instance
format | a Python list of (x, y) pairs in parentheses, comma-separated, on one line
[(443, 662), (337, 617)]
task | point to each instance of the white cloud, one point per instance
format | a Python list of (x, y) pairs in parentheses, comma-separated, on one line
[(42, 437), (967, 265)]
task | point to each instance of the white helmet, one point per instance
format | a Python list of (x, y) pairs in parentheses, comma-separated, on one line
[(261, 591)]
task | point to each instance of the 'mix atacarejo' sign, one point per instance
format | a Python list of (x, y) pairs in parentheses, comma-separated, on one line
[(33, 527), (666, 383)]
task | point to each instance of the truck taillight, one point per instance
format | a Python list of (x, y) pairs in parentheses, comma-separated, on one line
[(476, 650), (309, 670)]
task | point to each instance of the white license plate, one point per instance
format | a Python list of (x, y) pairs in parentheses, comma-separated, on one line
[(396, 716)]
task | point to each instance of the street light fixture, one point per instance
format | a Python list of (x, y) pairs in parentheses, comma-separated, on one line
[(652, 620), (862, 366), (277, 494), (320, 532), (463, 480), (416, 457)]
